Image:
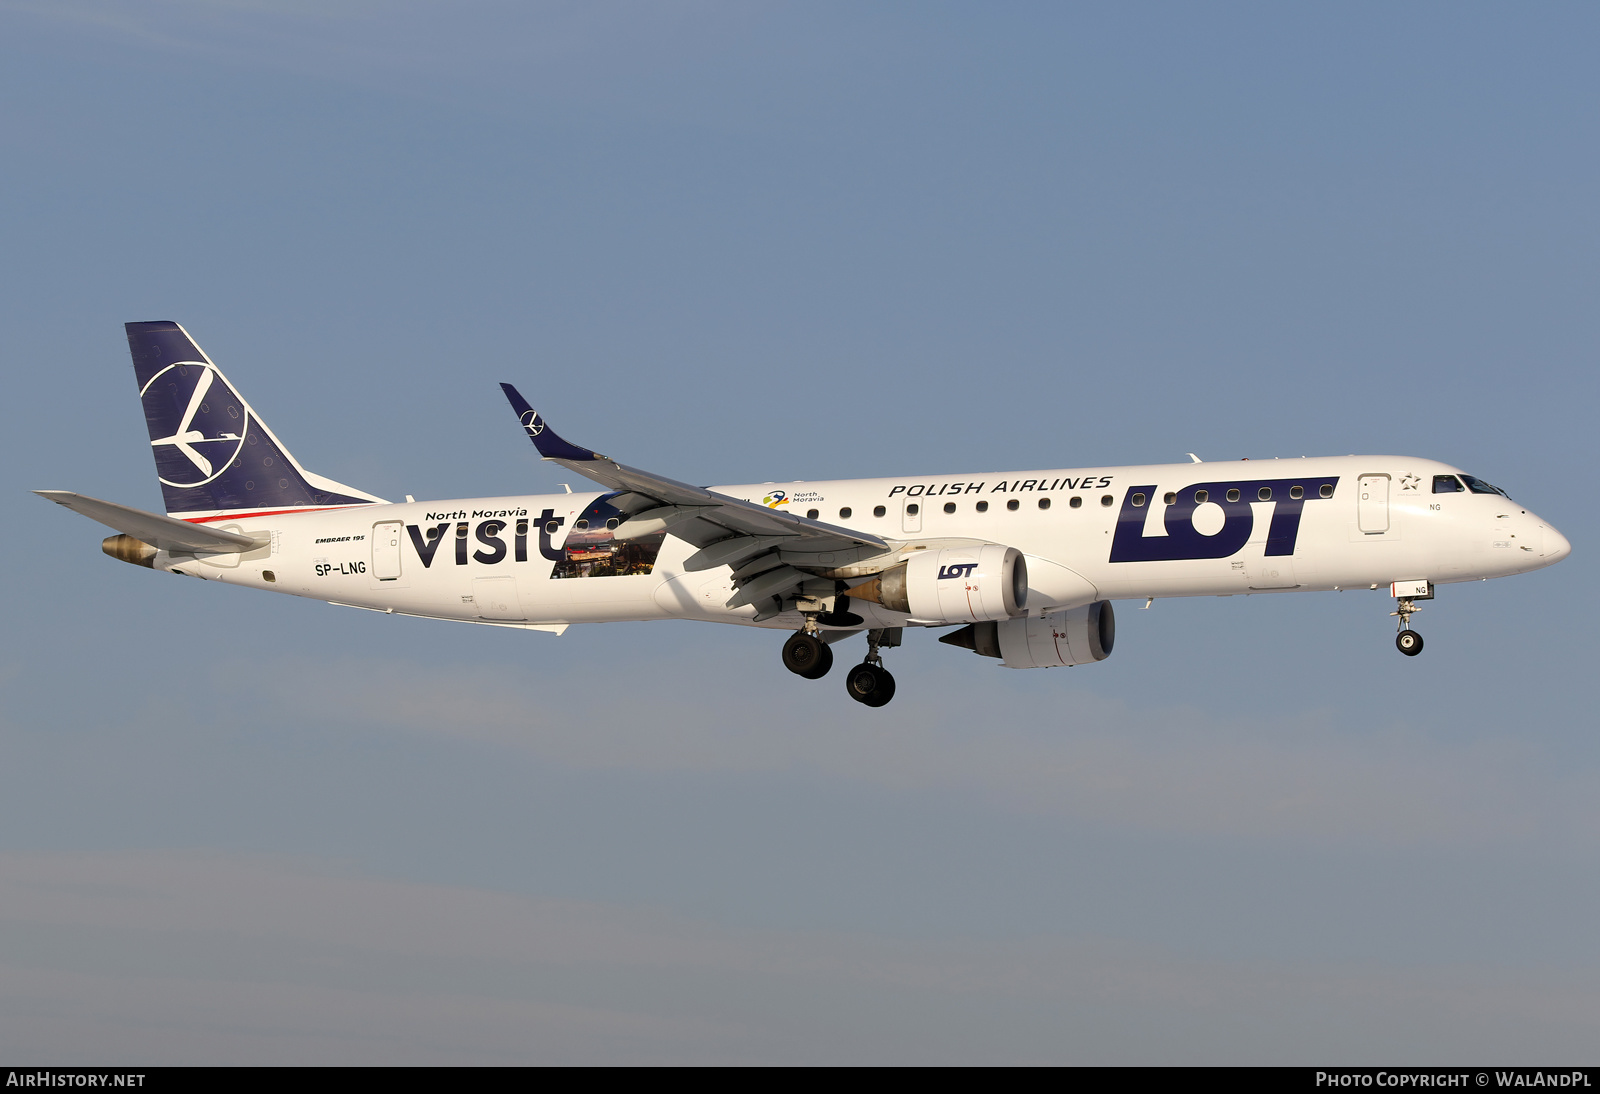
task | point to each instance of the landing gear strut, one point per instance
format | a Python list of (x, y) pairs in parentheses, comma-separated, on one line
[(869, 682), (1408, 641), (1406, 595)]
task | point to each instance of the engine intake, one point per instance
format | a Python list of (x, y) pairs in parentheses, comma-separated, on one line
[(953, 585)]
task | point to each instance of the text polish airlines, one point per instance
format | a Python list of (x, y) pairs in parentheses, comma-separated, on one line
[(1023, 564)]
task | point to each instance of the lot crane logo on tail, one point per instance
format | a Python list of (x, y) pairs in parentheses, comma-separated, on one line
[(165, 390)]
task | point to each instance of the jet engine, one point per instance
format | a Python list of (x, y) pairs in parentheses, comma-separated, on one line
[(953, 585), (1078, 636)]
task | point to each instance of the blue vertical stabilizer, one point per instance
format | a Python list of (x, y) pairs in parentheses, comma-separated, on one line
[(213, 454)]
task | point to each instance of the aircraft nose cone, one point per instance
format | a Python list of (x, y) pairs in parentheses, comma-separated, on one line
[(1556, 546)]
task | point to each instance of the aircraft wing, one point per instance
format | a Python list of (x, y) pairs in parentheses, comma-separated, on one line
[(728, 530), (168, 533)]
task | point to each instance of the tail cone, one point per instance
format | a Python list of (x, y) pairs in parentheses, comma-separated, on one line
[(128, 549)]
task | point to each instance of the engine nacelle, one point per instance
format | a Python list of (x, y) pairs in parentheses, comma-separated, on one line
[(1078, 636), (953, 585)]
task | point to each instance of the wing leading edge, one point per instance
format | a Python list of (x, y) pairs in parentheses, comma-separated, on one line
[(729, 531)]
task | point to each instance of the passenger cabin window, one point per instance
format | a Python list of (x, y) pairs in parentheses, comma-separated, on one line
[(1446, 484), (878, 510), (1265, 493), (1076, 503), (1044, 503), (1233, 495), (1105, 499), (844, 514), (1169, 497), (913, 509), (1138, 500), (982, 507), (1326, 491), (1200, 497), (949, 507), (811, 514), (1012, 504), (1297, 492)]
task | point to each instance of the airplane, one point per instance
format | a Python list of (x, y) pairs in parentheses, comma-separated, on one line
[(1023, 566)]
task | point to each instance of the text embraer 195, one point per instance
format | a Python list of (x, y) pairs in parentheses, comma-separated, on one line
[(1023, 564)]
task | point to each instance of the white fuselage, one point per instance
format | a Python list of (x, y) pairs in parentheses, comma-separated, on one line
[(1377, 521)]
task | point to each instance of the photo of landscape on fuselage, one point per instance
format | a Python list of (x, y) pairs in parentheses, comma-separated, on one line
[(592, 549)]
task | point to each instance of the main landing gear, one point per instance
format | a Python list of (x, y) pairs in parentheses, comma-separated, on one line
[(806, 654), (869, 682)]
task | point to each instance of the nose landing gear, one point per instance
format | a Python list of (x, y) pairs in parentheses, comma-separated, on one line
[(1408, 641)]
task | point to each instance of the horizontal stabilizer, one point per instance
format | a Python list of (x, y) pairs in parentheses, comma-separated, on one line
[(168, 533)]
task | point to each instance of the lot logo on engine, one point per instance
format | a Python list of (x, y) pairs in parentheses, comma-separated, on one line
[(956, 570)]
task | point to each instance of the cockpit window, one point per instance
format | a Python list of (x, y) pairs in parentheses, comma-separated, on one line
[(1478, 486), (1446, 484)]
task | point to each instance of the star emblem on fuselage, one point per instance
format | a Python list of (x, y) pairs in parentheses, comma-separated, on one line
[(1408, 481)]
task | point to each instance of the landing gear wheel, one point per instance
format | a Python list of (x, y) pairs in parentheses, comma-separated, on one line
[(823, 664), (807, 655), (1408, 641), (870, 684)]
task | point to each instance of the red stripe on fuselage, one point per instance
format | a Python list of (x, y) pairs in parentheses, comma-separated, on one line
[(268, 513)]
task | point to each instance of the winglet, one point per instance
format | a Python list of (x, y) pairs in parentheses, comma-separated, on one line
[(550, 446)]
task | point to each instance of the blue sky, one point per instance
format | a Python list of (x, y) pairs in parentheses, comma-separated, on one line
[(754, 242)]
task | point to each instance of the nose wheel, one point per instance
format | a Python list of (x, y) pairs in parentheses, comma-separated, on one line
[(1408, 641)]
